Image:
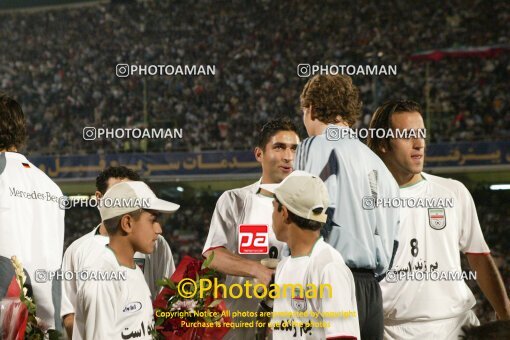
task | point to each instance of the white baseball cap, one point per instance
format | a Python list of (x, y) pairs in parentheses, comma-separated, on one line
[(126, 197), (303, 194)]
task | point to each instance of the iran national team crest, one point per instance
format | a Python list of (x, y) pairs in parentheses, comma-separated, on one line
[(437, 218), (297, 302)]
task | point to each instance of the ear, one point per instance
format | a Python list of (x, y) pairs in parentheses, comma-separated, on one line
[(312, 112), (98, 195), (126, 224), (285, 213), (258, 154)]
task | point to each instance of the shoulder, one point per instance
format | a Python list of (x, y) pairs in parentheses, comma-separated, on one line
[(233, 195), (162, 246), (448, 184)]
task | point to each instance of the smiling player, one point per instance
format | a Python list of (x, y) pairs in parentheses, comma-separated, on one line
[(431, 239)]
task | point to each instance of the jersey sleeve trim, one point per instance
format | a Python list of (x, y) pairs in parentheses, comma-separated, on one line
[(335, 337), (211, 248), (471, 253)]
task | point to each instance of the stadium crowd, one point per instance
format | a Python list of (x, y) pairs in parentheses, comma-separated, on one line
[(61, 63)]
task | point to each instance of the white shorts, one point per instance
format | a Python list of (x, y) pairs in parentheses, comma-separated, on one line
[(447, 329)]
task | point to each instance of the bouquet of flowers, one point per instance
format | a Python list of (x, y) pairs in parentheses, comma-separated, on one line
[(175, 311), (18, 318)]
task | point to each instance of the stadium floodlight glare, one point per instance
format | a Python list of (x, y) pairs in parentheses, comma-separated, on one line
[(500, 187), (180, 189)]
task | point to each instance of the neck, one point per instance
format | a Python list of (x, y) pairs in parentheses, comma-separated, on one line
[(102, 230), (407, 179), (301, 241), (11, 149), (123, 250), (323, 126)]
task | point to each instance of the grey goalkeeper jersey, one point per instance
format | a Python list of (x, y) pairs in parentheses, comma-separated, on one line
[(365, 234)]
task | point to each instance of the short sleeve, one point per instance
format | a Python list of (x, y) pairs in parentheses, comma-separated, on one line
[(69, 288), (342, 302), (223, 223), (165, 265), (96, 311), (471, 237)]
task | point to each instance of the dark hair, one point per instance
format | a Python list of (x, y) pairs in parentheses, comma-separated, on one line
[(112, 224), (499, 329), (12, 123), (332, 96), (381, 119), (301, 222), (272, 127), (114, 172)]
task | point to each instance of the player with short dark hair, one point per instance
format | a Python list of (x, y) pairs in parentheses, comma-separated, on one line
[(431, 239), (114, 172), (299, 212), (366, 238), (31, 221), (250, 205)]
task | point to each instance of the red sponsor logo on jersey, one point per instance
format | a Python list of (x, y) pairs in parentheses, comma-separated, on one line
[(253, 239)]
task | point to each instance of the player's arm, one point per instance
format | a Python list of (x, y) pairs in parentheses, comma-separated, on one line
[(221, 238), (490, 282), (68, 294), (229, 263), (473, 244)]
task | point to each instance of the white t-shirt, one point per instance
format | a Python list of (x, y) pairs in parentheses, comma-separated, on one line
[(158, 265), (236, 207), (115, 309), (430, 240), (32, 227), (324, 266)]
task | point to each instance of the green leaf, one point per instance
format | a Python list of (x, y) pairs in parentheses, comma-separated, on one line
[(215, 303), (159, 322), (208, 261)]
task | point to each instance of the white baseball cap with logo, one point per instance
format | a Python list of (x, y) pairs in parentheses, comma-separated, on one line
[(303, 194), (126, 197)]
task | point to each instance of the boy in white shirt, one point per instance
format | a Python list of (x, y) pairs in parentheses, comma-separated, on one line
[(300, 204), (121, 309)]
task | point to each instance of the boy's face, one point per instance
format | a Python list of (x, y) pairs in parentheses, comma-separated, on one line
[(278, 222), (145, 231)]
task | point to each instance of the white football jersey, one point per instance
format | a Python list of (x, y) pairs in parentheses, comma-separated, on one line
[(158, 265), (32, 228), (113, 309), (316, 318), (430, 240), (236, 207)]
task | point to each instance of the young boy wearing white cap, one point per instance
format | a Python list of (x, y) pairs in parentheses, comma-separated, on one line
[(121, 309), (300, 204)]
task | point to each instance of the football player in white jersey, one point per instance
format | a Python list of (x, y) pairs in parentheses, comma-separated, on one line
[(431, 239), (251, 206), (121, 308), (299, 213), (366, 238), (31, 221), (155, 266)]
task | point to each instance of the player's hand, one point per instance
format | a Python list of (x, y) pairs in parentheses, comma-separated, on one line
[(264, 275)]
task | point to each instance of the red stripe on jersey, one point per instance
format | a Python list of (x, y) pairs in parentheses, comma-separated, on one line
[(341, 337), (485, 254), (26, 165)]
